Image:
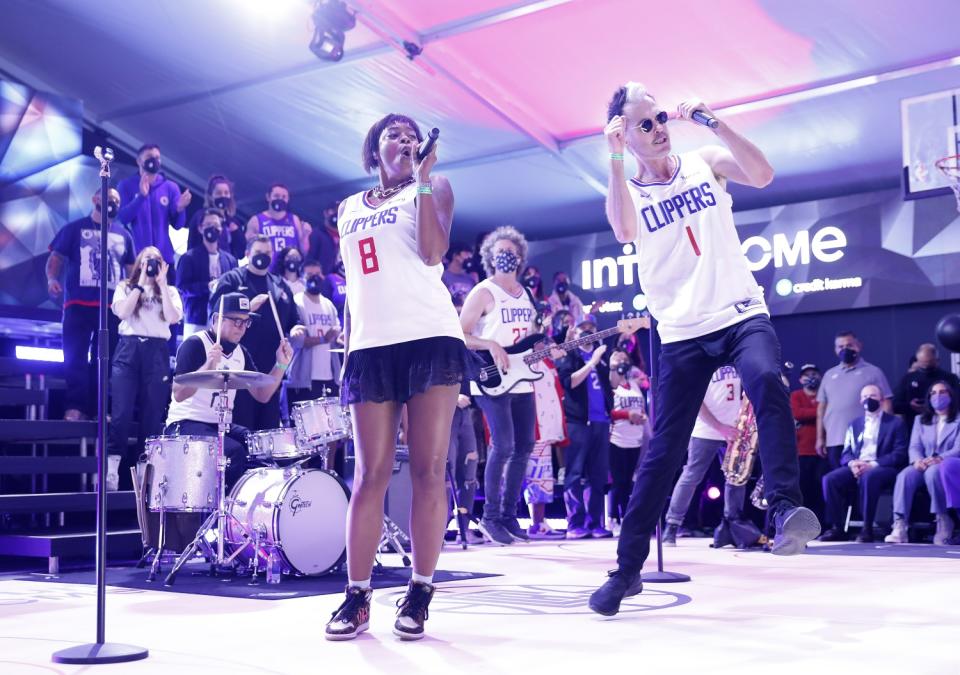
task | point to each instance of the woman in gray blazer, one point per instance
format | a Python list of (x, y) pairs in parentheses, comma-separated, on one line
[(935, 437)]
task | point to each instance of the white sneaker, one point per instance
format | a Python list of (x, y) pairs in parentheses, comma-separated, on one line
[(944, 529), (899, 533)]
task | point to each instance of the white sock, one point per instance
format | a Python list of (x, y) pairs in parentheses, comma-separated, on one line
[(363, 584), (422, 578)]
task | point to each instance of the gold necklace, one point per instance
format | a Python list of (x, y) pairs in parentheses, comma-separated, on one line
[(382, 195)]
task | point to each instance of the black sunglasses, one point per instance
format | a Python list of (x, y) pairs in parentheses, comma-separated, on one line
[(239, 323), (646, 126)]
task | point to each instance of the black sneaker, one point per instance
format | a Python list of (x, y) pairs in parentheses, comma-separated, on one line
[(413, 612), (670, 534), (495, 532), (352, 617), (513, 528), (795, 527), (619, 585)]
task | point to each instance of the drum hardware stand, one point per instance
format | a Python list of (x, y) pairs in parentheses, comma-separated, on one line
[(217, 519), (395, 538)]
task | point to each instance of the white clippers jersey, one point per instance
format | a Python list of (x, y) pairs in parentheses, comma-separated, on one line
[(201, 407), (692, 269), (723, 400), (392, 295), (510, 321)]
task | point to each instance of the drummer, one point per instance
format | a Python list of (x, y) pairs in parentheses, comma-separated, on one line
[(193, 411)]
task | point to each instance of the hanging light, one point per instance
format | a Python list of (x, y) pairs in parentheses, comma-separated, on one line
[(331, 19)]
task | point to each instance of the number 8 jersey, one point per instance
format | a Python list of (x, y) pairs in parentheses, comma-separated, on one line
[(392, 295)]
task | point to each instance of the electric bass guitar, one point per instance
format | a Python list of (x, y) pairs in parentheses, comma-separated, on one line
[(524, 358)]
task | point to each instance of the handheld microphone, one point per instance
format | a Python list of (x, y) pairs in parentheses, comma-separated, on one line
[(427, 146), (704, 119)]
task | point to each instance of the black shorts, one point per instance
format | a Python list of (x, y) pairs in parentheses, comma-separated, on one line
[(401, 371)]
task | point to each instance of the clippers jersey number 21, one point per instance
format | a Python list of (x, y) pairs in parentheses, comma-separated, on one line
[(368, 256)]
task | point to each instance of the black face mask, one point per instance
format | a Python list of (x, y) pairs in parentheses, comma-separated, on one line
[(871, 405), (292, 265), (623, 368), (153, 267), (532, 282), (561, 287), (212, 234), (279, 204), (848, 355), (313, 284), (261, 261), (222, 203), (151, 165), (811, 382), (112, 209), (469, 265)]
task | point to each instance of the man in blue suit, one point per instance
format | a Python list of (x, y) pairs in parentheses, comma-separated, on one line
[(874, 451)]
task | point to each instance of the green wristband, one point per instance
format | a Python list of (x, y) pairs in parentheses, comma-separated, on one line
[(617, 156), (282, 366)]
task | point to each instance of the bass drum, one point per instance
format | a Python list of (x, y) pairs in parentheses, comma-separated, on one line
[(300, 513)]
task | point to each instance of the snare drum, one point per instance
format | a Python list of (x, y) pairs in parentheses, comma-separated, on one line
[(182, 472), (300, 513), (321, 421), (272, 444)]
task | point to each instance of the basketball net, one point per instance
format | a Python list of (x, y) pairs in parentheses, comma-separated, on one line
[(950, 167)]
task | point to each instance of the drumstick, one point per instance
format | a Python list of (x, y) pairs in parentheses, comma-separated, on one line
[(276, 316), (220, 320)]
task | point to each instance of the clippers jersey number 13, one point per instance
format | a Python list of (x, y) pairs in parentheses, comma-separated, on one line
[(369, 262)]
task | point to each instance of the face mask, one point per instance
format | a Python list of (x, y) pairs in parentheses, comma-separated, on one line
[(222, 203), (848, 355), (871, 405), (313, 284), (151, 165), (469, 265), (261, 261), (811, 382), (532, 282), (506, 262), (623, 369), (153, 267), (293, 265), (940, 401), (278, 204), (112, 209), (561, 287), (212, 234)]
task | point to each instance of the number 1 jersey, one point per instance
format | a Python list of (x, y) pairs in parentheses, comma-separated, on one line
[(392, 295)]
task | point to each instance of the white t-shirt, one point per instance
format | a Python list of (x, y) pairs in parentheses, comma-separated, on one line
[(628, 396), (201, 407), (511, 320), (319, 315), (296, 286), (723, 400), (692, 269), (147, 322), (392, 295), (548, 406), (215, 270)]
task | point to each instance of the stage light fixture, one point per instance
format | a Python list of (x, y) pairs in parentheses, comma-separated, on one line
[(331, 19), (28, 353)]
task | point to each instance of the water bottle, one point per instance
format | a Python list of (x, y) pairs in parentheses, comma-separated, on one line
[(274, 568)]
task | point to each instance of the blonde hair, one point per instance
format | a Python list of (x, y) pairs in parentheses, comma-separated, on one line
[(509, 233)]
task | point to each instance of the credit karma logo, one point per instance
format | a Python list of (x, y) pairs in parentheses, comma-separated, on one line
[(786, 287)]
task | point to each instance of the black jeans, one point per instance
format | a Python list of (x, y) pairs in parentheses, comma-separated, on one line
[(462, 458), (685, 369), (140, 378), (80, 326), (812, 469), (623, 464), (587, 461), (512, 419), (234, 445)]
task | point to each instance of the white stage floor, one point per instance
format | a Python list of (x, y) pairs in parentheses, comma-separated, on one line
[(742, 613)]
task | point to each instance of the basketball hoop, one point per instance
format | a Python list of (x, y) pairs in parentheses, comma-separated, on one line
[(950, 167)]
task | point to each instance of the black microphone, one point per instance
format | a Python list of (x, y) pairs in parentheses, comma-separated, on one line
[(427, 146), (704, 119)]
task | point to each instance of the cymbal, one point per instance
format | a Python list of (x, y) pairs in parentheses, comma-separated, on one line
[(214, 379)]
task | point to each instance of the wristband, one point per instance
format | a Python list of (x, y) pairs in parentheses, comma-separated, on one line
[(425, 188), (616, 156), (281, 366), (138, 287)]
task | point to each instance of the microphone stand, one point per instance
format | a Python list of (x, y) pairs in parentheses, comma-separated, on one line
[(660, 576), (102, 651)]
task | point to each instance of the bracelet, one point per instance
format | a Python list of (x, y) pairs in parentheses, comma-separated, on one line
[(425, 188), (138, 287), (616, 156), (281, 366)]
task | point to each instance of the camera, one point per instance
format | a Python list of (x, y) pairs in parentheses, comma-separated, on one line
[(153, 267)]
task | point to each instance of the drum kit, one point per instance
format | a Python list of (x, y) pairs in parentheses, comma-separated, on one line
[(282, 517)]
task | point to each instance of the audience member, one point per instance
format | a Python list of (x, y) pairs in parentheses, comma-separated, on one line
[(532, 280), (803, 403), (839, 396), (950, 477), (287, 264), (563, 298), (199, 268), (150, 204), (282, 227), (75, 252), (315, 370), (551, 430), (325, 240), (455, 277), (935, 437), (874, 452), (910, 396), (629, 433), (219, 195), (334, 287)]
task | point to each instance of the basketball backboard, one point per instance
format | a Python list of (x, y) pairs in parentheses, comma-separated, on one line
[(930, 126)]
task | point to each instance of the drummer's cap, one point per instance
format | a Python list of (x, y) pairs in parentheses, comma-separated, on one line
[(236, 303)]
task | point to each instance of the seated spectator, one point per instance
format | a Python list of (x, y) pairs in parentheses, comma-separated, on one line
[(950, 477), (199, 268), (287, 264), (910, 396), (219, 195), (874, 451), (563, 298), (934, 438)]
